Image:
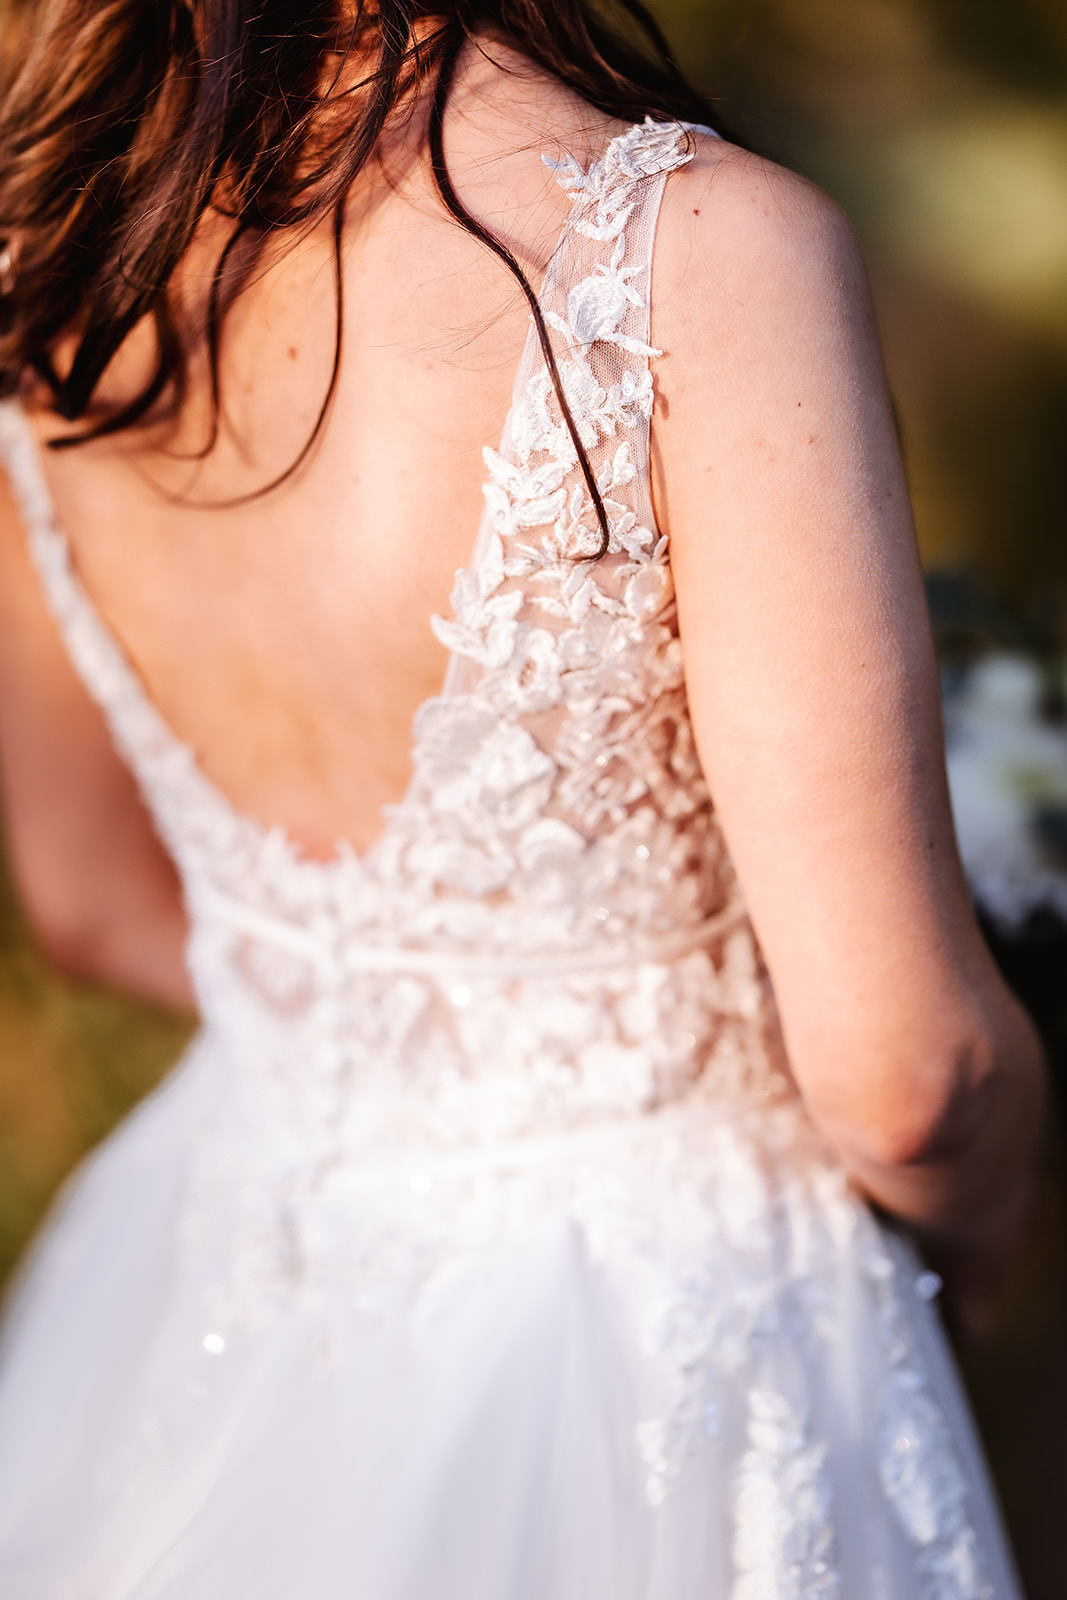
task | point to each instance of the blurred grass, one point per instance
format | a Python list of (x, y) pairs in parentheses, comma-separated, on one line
[(73, 1059)]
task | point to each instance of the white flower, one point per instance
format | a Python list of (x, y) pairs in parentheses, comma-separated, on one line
[(596, 307), (626, 533), (550, 843), (513, 777), (531, 425), (629, 399), (484, 624), (1003, 760)]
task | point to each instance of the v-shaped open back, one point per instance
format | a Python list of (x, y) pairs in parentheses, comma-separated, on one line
[(536, 635)]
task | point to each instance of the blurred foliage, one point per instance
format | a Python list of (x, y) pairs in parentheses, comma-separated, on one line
[(941, 127), (73, 1059)]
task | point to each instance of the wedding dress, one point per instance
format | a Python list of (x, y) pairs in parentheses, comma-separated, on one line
[(480, 1248)]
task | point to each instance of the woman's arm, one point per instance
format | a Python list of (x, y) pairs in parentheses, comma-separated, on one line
[(814, 695), (97, 886)]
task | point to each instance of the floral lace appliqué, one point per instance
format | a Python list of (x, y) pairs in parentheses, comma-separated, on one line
[(784, 1526), (918, 1465)]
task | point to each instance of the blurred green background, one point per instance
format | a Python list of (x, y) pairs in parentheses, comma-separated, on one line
[(941, 126)]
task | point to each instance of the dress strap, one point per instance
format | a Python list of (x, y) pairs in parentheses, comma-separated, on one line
[(154, 753), (603, 193), (97, 654), (539, 520)]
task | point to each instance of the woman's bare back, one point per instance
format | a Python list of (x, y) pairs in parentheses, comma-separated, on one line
[(287, 639)]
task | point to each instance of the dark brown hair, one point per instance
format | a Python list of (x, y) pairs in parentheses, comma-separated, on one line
[(124, 121)]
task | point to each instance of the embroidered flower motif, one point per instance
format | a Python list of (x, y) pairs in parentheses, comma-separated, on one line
[(484, 626), (474, 763), (649, 592), (533, 425), (530, 677), (520, 496), (917, 1461), (921, 1476), (598, 305), (784, 1539), (646, 149), (550, 846), (595, 310), (603, 192)]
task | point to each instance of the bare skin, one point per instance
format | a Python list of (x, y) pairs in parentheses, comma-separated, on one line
[(814, 692), (287, 640)]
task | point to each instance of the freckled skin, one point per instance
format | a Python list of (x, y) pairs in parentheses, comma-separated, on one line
[(814, 695), (308, 609)]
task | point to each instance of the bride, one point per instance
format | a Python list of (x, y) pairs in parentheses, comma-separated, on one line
[(461, 629)]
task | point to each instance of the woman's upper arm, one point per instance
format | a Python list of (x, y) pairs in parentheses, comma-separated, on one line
[(92, 875), (812, 679)]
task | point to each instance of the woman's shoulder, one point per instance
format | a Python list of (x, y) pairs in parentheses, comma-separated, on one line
[(746, 231), (762, 306), (772, 372)]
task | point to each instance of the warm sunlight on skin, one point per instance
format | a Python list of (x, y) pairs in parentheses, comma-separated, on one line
[(814, 694), (310, 606), (301, 617), (97, 886)]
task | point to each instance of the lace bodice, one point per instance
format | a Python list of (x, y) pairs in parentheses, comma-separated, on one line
[(556, 822)]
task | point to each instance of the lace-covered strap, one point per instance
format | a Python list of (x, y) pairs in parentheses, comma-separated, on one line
[(605, 193), (566, 677), (18, 453), (615, 205)]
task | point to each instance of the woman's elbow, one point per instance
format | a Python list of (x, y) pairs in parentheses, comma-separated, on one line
[(131, 943), (71, 937), (917, 1108)]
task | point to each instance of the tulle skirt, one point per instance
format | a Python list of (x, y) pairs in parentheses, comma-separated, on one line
[(672, 1360)]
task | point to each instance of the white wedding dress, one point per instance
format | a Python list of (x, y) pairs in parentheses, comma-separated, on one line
[(480, 1248)]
